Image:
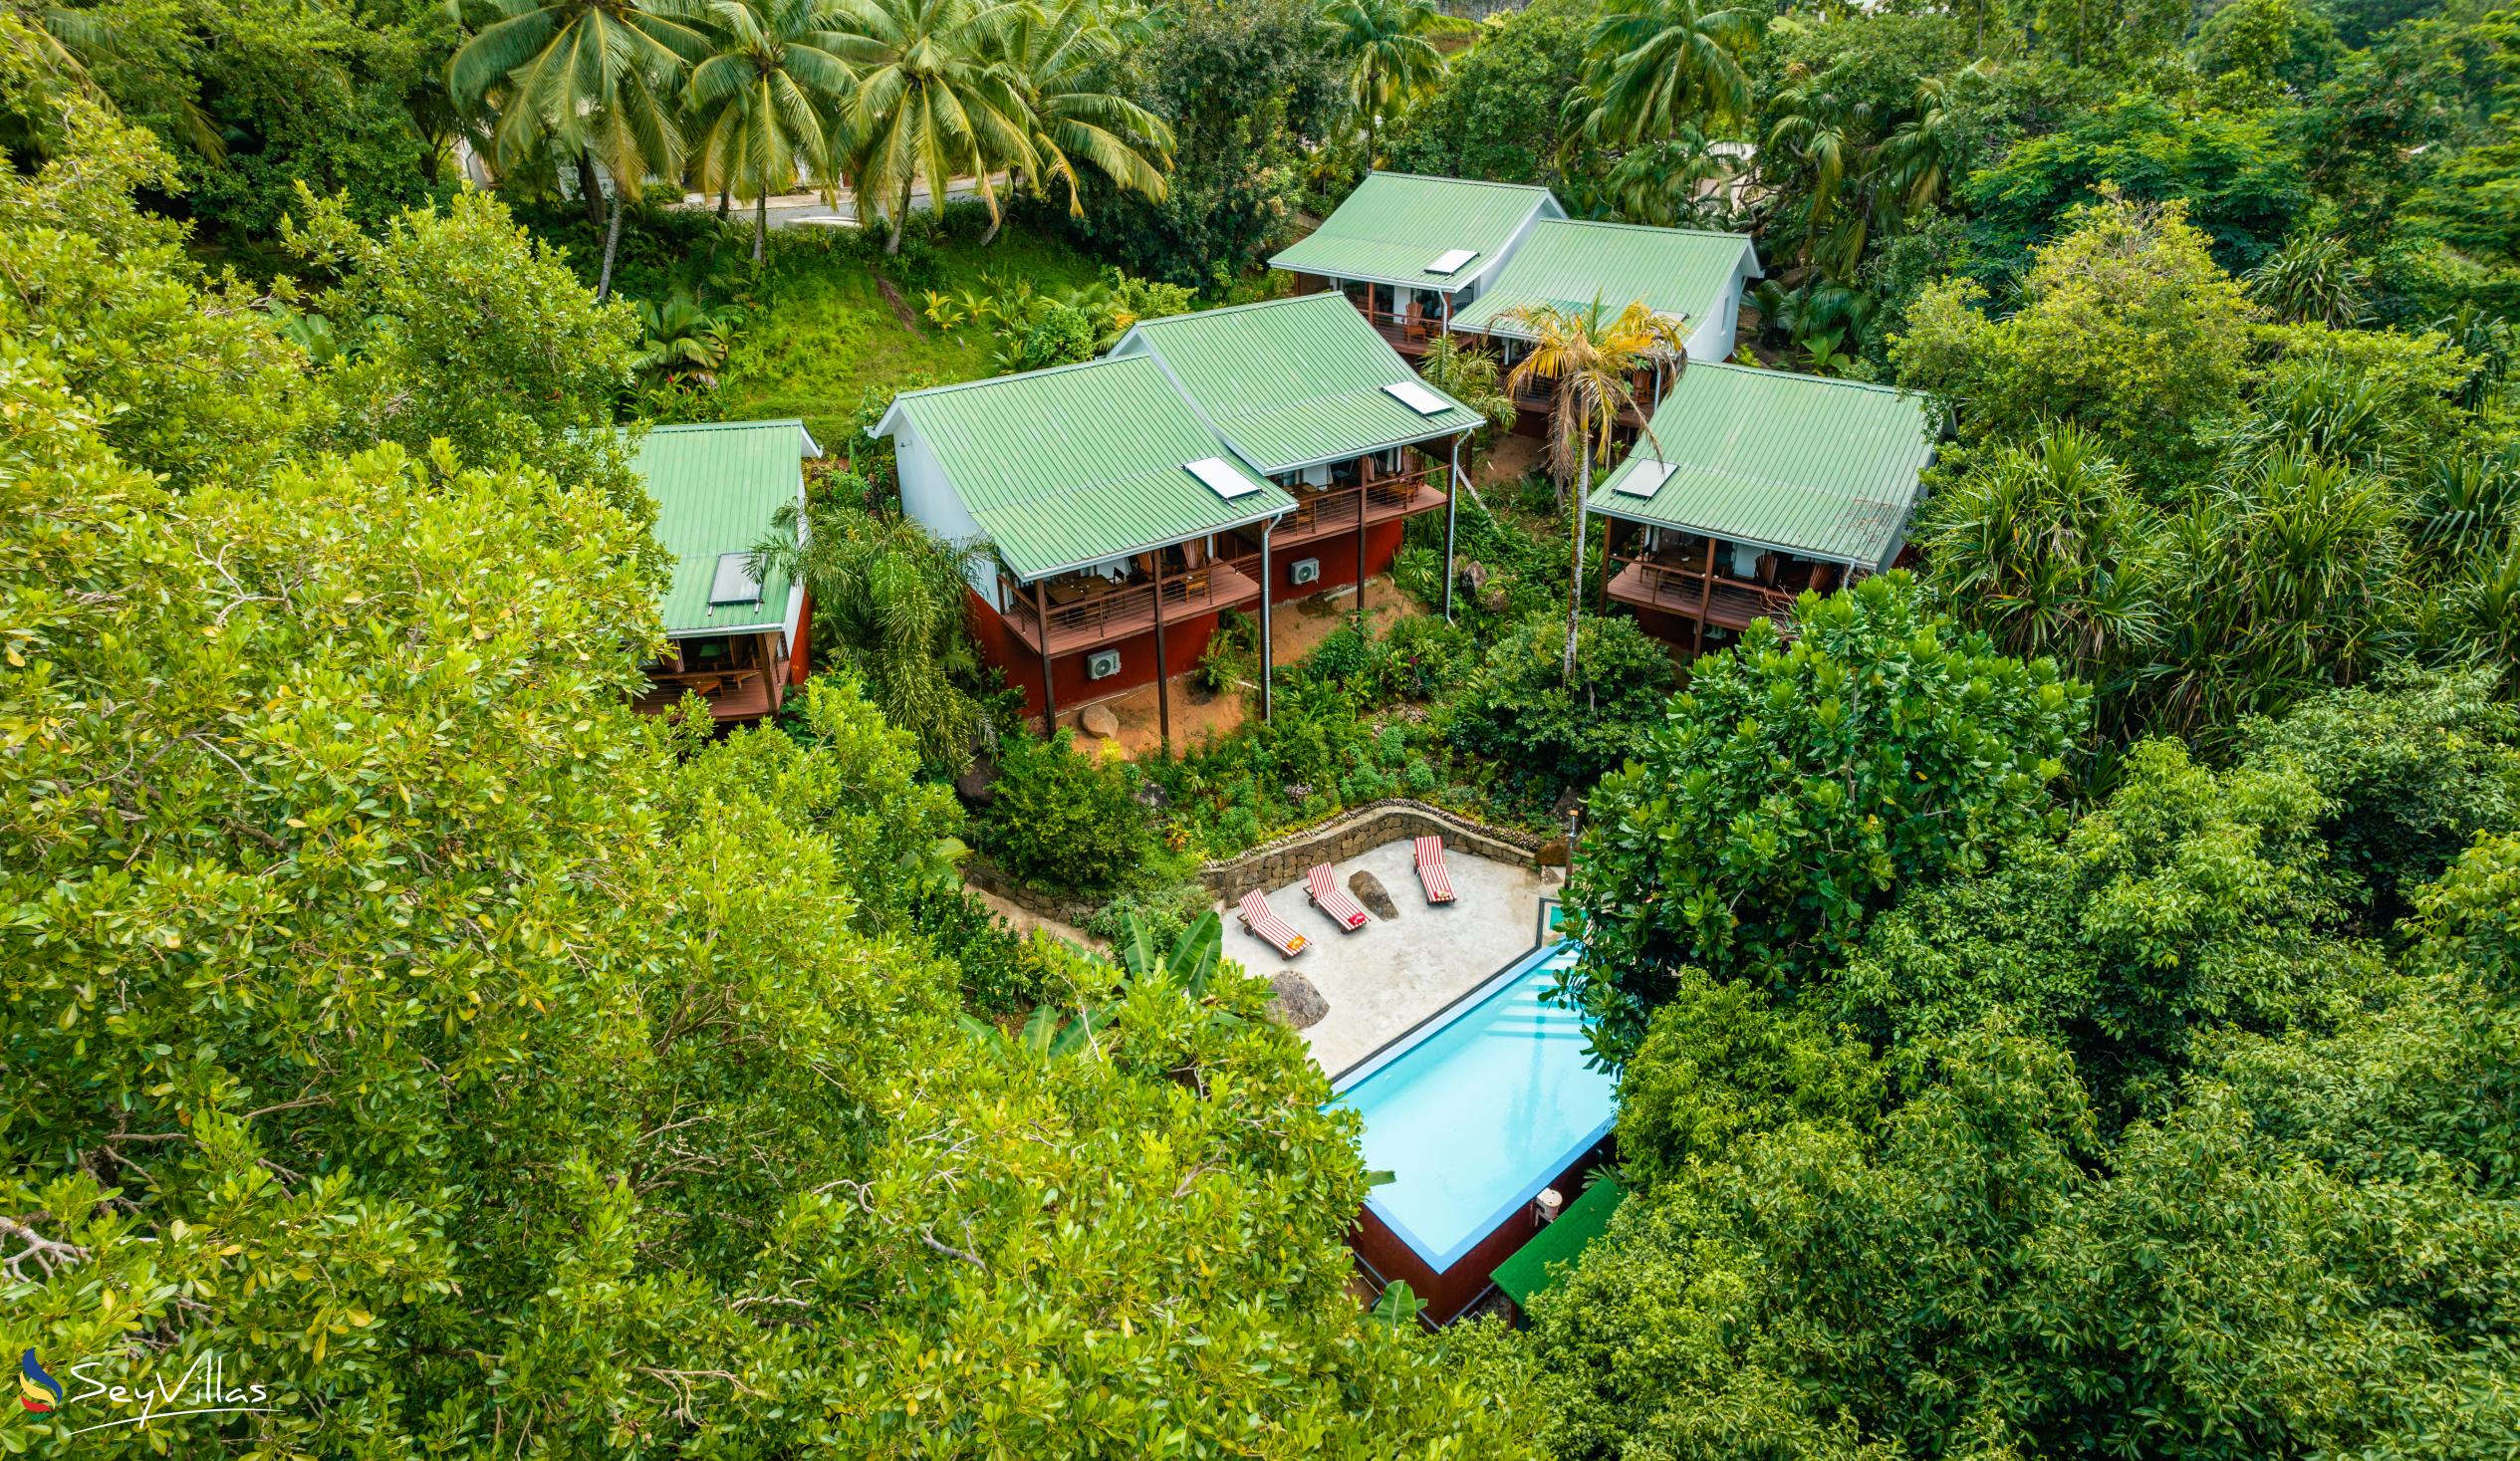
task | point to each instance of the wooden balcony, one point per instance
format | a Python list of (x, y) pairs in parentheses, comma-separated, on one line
[(1409, 333), (1376, 498), (742, 694), (1087, 613), (1539, 397), (1692, 591)]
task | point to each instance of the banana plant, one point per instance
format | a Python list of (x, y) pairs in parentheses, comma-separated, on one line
[(1051, 1034)]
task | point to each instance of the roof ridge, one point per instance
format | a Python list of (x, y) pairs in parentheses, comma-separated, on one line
[(1289, 299), (653, 427), (1520, 187), (1012, 375), (1650, 228), (1777, 373)]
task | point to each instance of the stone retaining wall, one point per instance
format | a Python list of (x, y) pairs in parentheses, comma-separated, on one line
[(1351, 835), (987, 876), (1284, 860)]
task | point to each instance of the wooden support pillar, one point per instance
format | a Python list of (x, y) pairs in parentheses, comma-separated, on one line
[(1163, 683), (1705, 596), (1451, 500), (1365, 492), (1268, 592), (1049, 687), (1609, 547)]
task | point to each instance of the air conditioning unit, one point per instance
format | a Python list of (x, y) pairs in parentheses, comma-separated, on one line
[(1304, 571), (1102, 664)]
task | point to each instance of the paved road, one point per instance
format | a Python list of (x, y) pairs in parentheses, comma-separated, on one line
[(791, 210)]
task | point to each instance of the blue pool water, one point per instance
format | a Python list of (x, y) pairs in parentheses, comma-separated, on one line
[(1476, 1112)]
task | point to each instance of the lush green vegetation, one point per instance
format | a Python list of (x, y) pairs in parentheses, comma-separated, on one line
[(475, 1065), (2062, 998)]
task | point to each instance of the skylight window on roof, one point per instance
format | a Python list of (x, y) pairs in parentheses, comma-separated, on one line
[(1644, 477), (1451, 260), (1221, 477), (738, 580), (1417, 398)]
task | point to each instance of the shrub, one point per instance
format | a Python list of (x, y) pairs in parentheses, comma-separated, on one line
[(1230, 657), (1062, 820), (1342, 659), (1797, 789), (1518, 710), (1419, 660), (1162, 911)]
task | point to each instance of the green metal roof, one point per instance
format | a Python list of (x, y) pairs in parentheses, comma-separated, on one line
[(1561, 1243), (1818, 467), (1396, 223), (1293, 383), (717, 486), (1080, 464), (1570, 263)]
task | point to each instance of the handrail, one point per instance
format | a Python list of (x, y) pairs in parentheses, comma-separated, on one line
[(1332, 508), (1131, 604), (1686, 582)]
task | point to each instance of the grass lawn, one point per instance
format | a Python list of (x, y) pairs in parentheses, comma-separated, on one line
[(824, 332)]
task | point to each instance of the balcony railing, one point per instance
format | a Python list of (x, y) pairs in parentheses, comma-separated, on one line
[(1378, 498), (1540, 397), (732, 694), (1406, 331), (1694, 592), (1082, 616)]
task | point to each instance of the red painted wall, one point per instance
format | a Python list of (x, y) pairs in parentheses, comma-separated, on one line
[(1338, 555), (1183, 642), (800, 660), (1385, 1257)]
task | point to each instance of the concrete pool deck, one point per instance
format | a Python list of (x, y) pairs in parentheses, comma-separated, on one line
[(1391, 974)]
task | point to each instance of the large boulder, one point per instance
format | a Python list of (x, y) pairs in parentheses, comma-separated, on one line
[(1293, 1002), (1098, 720), (1368, 890), (978, 786)]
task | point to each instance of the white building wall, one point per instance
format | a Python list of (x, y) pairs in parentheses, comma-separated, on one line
[(1712, 340), (929, 500)]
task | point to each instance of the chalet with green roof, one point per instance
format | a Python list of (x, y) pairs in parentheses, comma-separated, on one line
[(735, 622), (1410, 251), (1689, 273), (1113, 515), (1222, 460), (1754, 485), (1307, 393)]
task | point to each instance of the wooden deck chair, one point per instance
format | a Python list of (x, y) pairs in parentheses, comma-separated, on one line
[(1269, 928), (1431, 872), (1321, 885)]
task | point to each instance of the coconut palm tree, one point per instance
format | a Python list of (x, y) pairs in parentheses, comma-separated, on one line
[(766, 101), (1589, 357), (1661, 65), (65, 42), (1056, 57), (1834, 137), (932, 102), (1385, 45), (593, 81)]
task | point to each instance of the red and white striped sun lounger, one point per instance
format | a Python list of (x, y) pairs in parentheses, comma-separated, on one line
[(1333, 899), (1268, 927), (1431, 872)]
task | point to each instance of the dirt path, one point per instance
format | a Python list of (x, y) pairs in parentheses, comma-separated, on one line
[(1024, 920), (1299, 626)]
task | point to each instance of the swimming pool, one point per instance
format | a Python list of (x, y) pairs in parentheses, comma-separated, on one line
[(1477, 1110)]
